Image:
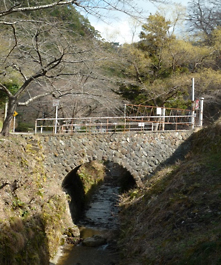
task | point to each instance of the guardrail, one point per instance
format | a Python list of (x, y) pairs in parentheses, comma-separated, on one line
[(113, 124)]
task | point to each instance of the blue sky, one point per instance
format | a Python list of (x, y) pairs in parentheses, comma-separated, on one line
[(118, 27)]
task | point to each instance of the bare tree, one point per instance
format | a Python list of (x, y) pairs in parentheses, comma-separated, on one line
[(41, 54), (93, 7), (36, 51), (204, 16)]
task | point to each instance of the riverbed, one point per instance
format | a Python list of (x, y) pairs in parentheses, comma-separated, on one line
[(100, 224)]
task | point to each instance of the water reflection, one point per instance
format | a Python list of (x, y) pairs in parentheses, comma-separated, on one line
[(81, 255)]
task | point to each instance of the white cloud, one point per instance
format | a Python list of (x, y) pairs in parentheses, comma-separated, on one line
[(120, 27), (119, 31)]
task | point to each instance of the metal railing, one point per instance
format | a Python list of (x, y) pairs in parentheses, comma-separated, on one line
[(113, 124)]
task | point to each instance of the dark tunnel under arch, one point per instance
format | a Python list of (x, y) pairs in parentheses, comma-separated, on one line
[(73, 185)]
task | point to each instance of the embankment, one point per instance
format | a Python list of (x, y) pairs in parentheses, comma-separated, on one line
[(176, 218)]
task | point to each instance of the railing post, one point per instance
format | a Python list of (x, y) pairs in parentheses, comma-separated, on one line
[(56, 119), (107, 126), (201, 112), (164, 114), (36, 123), (125, 110)]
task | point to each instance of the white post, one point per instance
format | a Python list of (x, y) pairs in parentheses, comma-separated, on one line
[(6, 109), (14, 123), (125, 110), (164, 114), (56, 119), (125, 114), (36, 124), (56, 104), (201, 112), (193, 108)]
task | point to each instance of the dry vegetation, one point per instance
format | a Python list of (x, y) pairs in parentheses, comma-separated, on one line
[(176, 218), (33, 210)]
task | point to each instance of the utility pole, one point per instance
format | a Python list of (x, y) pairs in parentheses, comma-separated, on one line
[(201, 112), (193, 103)]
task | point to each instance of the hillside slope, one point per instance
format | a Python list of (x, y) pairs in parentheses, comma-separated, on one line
[(176, 219), (34, 213)]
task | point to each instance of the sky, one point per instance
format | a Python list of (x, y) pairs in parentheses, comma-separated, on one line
[(119, 27)]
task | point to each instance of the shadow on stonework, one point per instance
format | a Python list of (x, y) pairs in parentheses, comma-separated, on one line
[(179, 155)]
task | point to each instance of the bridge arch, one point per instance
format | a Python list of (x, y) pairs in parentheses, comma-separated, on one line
[(138, 153), (83, 181)]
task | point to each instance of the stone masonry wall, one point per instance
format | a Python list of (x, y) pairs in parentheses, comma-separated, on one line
[(139, 153)]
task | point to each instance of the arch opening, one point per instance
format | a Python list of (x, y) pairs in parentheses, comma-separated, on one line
[(119, 176), (83, 181)]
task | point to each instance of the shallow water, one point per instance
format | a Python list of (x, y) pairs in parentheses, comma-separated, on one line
[(100, 218), (102, 211), (81, 255)]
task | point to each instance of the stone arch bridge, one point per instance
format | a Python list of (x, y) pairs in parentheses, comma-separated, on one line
[(138, 153)]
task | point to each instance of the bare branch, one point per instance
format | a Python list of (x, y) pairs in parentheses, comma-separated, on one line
[(27, 102), (36, 45), (204, 16), (18, 69), (16, 8), (15, 37)]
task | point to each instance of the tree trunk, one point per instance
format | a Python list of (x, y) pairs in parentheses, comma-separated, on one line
[(12, 102)]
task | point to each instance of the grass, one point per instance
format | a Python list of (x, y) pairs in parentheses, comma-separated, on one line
[(33, 213), (176, 218)]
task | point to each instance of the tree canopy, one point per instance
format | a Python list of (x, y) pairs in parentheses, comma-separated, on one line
[(158, 69), (48, 49)]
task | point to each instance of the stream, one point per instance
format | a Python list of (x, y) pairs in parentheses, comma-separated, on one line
[(99, 229)]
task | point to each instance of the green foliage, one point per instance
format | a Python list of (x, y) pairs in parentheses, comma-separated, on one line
[(12, 87), (158, 69), (131, 92), (154, 66), (24, 127), (155, 34)]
